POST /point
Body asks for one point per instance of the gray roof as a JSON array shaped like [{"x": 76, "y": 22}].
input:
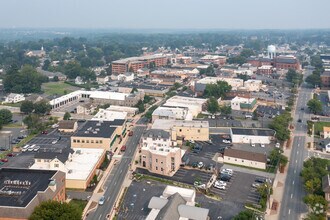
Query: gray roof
[
  {"x": 100, "y": 129},
  {"x": 326, "y": 73},
  {"x": 170, "y": 210},
  {"x": 156, "y": 133},
  {"x": 253, "y": 132},
  {"x": 192, "y": 212},
  {"x": 326, "y": 184},
  {"x": 62, "y": 154},
  {"x": 286, "y": 60},
  {"x": 157, "y": 203}
]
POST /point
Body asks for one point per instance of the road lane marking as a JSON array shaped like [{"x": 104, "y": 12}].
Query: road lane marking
[
  {"x": 295, "y": 171},
  {"x": 115, "y": 183},
  {"x": 109, "y": 199},
  {"x": 298, "y": 145},
  {"x": 298, "y": 152},
  {"x": 293, "y": 182},
  {"x": 100, "y": 216},
  {"x": 296, "y": 161},
  {"x": 291, "y": 195},
  {"x": 289, "y": 211},
  {"x": 121, "y": 171}
]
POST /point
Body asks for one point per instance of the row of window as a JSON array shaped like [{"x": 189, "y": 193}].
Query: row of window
[
  {"x": 88, "y": 141},
  {"x": 243, "y": 161}
]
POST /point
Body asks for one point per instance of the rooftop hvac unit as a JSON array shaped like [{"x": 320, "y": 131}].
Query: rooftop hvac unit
[
  {"x": 70, "y": 171},
  {"x": 94, "y": 132}
]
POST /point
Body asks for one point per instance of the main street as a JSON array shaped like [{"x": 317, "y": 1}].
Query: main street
[
  {"x": 116, "y": 178},
  {"x": 292, "y": 203}
]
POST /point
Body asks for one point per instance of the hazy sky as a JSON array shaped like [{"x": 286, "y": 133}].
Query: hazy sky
[{"x": 172, "y": 14}]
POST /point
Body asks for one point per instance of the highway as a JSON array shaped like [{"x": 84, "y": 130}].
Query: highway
[
  {"x": 292, "y": 203},
  {"x": 116, "y": 178}
]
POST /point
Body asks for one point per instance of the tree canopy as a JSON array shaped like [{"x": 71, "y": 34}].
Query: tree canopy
[
  {"x": 280, "y": 124},
  {"x": 53, "y": 210},
  {"x": 26, "y": 80},
  {"x": 217, "y": 90},
  {"x": 315, "y": 106},
  {"x": 294, "y": 77},
  {"x": 212, "y": 105}
]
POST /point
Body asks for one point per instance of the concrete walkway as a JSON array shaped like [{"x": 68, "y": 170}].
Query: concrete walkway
[{"x": 250, "y": 171}]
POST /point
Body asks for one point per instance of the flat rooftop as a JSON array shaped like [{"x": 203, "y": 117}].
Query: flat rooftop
[
  {"x": 19, "y": 186},
  {"x": 102, "y": 129},
  {"x": 80, "y": 165},
  {"x": 253, "y": 132},
  {"x": 168, "y": 124}
]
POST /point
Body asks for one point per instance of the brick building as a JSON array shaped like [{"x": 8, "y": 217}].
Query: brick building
[{"x": 325, "y": 78}]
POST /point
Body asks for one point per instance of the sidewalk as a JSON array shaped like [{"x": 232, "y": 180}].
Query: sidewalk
[{"x": 250, "y": 171}]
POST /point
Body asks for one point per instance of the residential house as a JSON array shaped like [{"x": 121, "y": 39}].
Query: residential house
[
  {"x": 14, "y": 98},
  {"x": 245, "y": 158},
  {"x": 67, "y": 126}
]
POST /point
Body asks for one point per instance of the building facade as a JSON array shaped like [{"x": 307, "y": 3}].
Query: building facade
[{"x": 245, "y": 158}]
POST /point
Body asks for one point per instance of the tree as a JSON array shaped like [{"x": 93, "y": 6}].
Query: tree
[
  {"x": 294, "y": 77},
  {"x": 46, "y": 65},
  {"x": 244, "y": 77},
  {"x": 55, "y": 79},
  {"x": 42, "y": 107},
  {"x": 67, "y": 116},
  {"x": 217, "y": 90},
  {"x": 140, "y": 106},
  {"x": 280, "y": 124},
  {"x": 244, "y": 215},
  {"x": 314, "y": 80},
  {"x": 33, "y": 122},
  {"x": 53, "y": 210},
  {"x": 212, "y": 105},
  {"x": 316, "y": 203},
  {"x": 225, "y": 110},
  {"x": 5, "y": 116},
  {"x": 315, "y": 106},
  {"x": 27, "y": 107}
]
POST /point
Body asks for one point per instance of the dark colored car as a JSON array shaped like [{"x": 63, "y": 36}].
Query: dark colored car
[
  {"x": 10, "y": 155},
  {"x": 130, "y": 133},
  {"x": 260, "y": 180},
  {"x": 44, "y": 132},
  {"x": 225, "y": 177},
  {"x": 299, "y": 120},
  {"x": 194, "y": 164},
  {"x": 4, "y": 160},
  {"x": 123, "y": 148}
]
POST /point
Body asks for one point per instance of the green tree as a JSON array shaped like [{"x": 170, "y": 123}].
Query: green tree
[
  {"x": 294, "y": 77},
  {"x": 27, "y": 107},
  {"x": 225, "y": 109},
  {"x": 314, "y": 80},
  {"x": 244, "y": 215},
  {"x": 67, "y": 116},
  {"x": 55, "y": 79},
  {"x": 140, "y": 106},
  {"x": 33, "y": 122},
  {"x": 53, "y": 210},
  {"x": 315, "y": 106},
  {"x": 46, "y": 65},
  {"x": 42, "y": 107},
  {"x": 280, "y": 124},
  {"x": 316, "y": 203},
  {"x": 5, "y": 116},
  {"x": 212, "y": 105},
  {"x": 217, "y": 90}
]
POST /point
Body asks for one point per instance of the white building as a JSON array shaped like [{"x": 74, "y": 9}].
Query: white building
[
  {"x": 252, "y": 136},
  {"x": 102, "y": 79},
  {"x": 108, "y": 115},
  {"x": 199, "y": 86},
  {"x": 79, "y": 164},
  {"x": 176, "y": 203},
  {"x": 181, "y": 113},
  {"x": 194, "y": 105},
  {"x": 243, "y": 72},
  {"x": 14, "y": 98},
  {"x": 79, "y": 81},
  {"x": 126, "y": 77},
  {"x": 131, "y": 111},
  {"x": 253, "y": 85},
  {"x": 245, "y": 158},
  {"x": 240, "y": 103}
]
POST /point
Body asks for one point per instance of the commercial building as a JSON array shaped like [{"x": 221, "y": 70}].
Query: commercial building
[
  {"x": 239, "y": 103},
  {"x": 265, "y": 70},
  {"x": 200, "y": 85},
  {"x": 149, "y": 89},
  {"x": 213, "y": 59},
  {"x": 157, "y": 153},
  {"x": 98, "y": 134},
  {"x": 126, "y": 77},
  {"x": 21, "y": 190},
  {"x": 194, "y": 105},
  {"x": 79, "y": 164},
  {"x": 181, "y": 113},
  {"x": 14, "y": 98},
  {"x": 279, "y": 62},
  {"x": 253, "y": 85},
  {"x": 108, "y": 115},
  {"x": 131, "y": 111},
  {"x": 133, "y": 64},
  {"x": 86, "y": 109},
  {"x": 67, "y": 126},
  {"x": 176, "y": 203},
  {"x": 325, "y": 78},
  {"x": 102, "y": 79},
  {"x": 252, "y": 136},
  {"x": 184, "y": 130},
  {"x": 245, "y": 158},
  {"x": 98, "y": 97}
]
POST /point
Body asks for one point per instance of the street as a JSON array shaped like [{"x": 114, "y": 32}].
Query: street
[
  {"x": 116, "y": 178},
  {"x": 292, "y": 203}
]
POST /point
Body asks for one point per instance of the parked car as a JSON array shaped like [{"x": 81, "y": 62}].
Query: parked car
[
  {"x": 10, "y": 155},
  {"x": 194, "y": 164},
  {"x": 262, "y": 145},
  {"x": 36, "y": 148},
  {"x": 102, "y": 200},
  {"x": 210, "y": 167},
  {"x": 130, "y": 133},
  {"x": 54, "y": 141},
  {"x": 260, "y": 180},
  {"x": 225, "y": 177},
  {"x": 200, "y": 165},
  {"x": 4, "y": 160},
  {"x": 221, "y": 182},
  {"x": 277, "y": 145},
  {"x": 2, "y": 163},
  {"x": 256, "y": 185},
  {"x": 123, "y": 148},
  {"x": 299, "y": 120},
  {"x": 25, "y": 148},
  {"x": 31, "y": 147},
  {"x": 253, "y": 145},
  {"x": 219, "y": 186}
]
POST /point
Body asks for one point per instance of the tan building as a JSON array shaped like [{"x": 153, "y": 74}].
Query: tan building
[
  {"x": 326, "y": 132},
  {"x": 184, "y": 130},
  {"x": 23, "y": 189},
  {"x": 86, "y": 109},
  {"x": 67, "y": 126},
  {"x": 157, "y": 153},
  {"x": 79, "y": 164},
  {"x": 99, "y": 134},
  {"x": 245, "y": 158}
]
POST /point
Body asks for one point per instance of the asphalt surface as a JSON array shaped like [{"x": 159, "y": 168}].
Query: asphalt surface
[
  {"x": 116, "y": 178},
  {"x": 292, "y": 202}
]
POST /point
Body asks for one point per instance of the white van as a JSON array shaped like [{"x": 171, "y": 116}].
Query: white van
[
  {"x": 31, "y": 147},
  {"x": 25, "y": 148},
  {"x": 248, "y": 116}
]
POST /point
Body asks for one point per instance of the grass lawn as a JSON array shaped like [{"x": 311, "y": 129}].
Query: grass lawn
[
  {"x": 57, "y": 88},
  {"x": 80, "y": 204},
  {"x": 13, "y": 104},
  {"x": 318, "y": 127}
]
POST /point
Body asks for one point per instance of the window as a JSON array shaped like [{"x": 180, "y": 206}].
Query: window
[
  {"x": 156, "y": 168},
  {"x": 82, "y": 141},
  {"x": 78, "y": 141},
  {"x": 235, "y": 159},
  {"x": 74, "y": 141},
  {"x": 87, "y": 141},
  {"x": 243, "y": 161},
  {"x": 180, "y": 130},
  {"x": 39, "y": 160},
  {"x": 161, "y": 162},
  {"x": 56, "y": 165},
  {"x": 156, "y": 160},
  {"x": 96, "y": 142},
  {"x": 161, "y": 169},
  {"x": 92, "y": 141},
  {"x": 101, "y": 141},
  {"x": 199, "y": 131}
]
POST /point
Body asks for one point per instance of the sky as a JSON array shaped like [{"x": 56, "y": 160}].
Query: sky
[{"x": 165, "y": 14}]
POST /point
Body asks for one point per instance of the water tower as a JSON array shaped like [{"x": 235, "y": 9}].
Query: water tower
[{"x": 271, "y": 51}]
